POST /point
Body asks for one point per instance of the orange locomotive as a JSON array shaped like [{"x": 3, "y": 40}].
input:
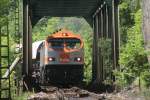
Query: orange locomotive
[{"x": 61, "y": 58}]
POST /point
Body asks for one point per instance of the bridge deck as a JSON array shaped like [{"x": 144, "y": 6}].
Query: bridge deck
[{"x": 63, "y": 7}]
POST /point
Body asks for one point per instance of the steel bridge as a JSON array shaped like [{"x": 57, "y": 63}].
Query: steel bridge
[{"x": 102, "y": 15}]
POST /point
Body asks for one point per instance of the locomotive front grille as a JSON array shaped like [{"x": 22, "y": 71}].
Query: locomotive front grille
[{"x": 64, "y": 73}]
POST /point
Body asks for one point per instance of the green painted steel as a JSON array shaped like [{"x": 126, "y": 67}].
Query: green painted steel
[
  {"x": 5, "y": 86},
  {"x": 63, "y": 8},
  {"x": 4, "y": 62},
  {"x": 105, "y": 25}
]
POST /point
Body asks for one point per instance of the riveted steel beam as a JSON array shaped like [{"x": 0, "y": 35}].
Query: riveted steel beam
[
  {"x": 101, "y": 34},
  {"x": 27, "y": 39},
  {"x": 98, "y": 68},
  {"x": 30, "y": 46},
  {"x": 104, "y": 21},
  {"x": 106, "y": 9},
  {"x": 117, "y": 35},
  {"x": 99, "y": 8},
  {"x": 94, "y": 71},
  {"x": 100, "y": 28},
  {"x": 113, "y": 32},
  {"x": 25, "y": 36}
]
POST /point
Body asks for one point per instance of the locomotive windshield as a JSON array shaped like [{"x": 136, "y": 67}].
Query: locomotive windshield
[
  {"x": 73, "y": 43},
  {"x": 69, "y": 43},
  {"x": 56, "y": 43}
]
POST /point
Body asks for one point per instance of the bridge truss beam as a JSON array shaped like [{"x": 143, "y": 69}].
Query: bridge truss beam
[
  {"x": 27, "y": 40},
  {"x": 105, "y": 27}
]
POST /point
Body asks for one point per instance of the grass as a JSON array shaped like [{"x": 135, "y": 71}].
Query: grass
[{"x": 22, "y": 96}]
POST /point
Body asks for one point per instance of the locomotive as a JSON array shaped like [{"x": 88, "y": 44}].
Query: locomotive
[{"x": 58, "y": 59}]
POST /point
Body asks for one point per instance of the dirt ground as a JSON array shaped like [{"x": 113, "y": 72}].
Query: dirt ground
[{"x": 76, "y": 93}]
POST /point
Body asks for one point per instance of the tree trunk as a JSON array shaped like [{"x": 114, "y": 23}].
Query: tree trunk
[
  {"x": 146, "y": 24},
  {"x": 140, "y": 81}
]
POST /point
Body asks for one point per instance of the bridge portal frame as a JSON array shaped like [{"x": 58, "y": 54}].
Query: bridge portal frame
[{"x": 105, "y": 25}]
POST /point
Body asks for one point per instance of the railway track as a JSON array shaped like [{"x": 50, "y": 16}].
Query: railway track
[{"x": 73, "y": 93}]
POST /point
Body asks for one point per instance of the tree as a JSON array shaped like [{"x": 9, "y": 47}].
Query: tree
[
  {"x": 133, "y": 57},
  {"x": 4, "y": 5},
  {"x": 146, "y": 23}
]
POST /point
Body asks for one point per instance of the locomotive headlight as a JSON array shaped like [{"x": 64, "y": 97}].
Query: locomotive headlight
[
  {"x": 51, "y": 59},
  {"x": 65, "y": 34},
  {"x": 78, "y": 59}
]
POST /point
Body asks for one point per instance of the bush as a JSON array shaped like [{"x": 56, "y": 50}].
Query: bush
[
  {"x": 146, "y": 78},
  {"x": 133, "y": 57}
]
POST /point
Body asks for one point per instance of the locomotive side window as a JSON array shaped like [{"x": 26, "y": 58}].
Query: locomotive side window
[{"x": 73, "y": 43}]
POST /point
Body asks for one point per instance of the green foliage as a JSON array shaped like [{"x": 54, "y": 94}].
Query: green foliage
[
  {"x": 127, "y": 10},
  {"x": 146, "y": 78},
  {"x": 23, "y": 96},
  {"x": 133, "y": 57},
  {"x": 131, "y": 52},
  {"x": 7, "y": 17},
  {"x": 105, "y": 45},
  {"x": 106, "y": 52},
  {"x": 87, "y": 57},
  {"x": 4, "y": 5}
]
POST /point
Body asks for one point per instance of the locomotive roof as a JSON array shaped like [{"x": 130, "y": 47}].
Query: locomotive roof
[{"x": 64, "y": 34}]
